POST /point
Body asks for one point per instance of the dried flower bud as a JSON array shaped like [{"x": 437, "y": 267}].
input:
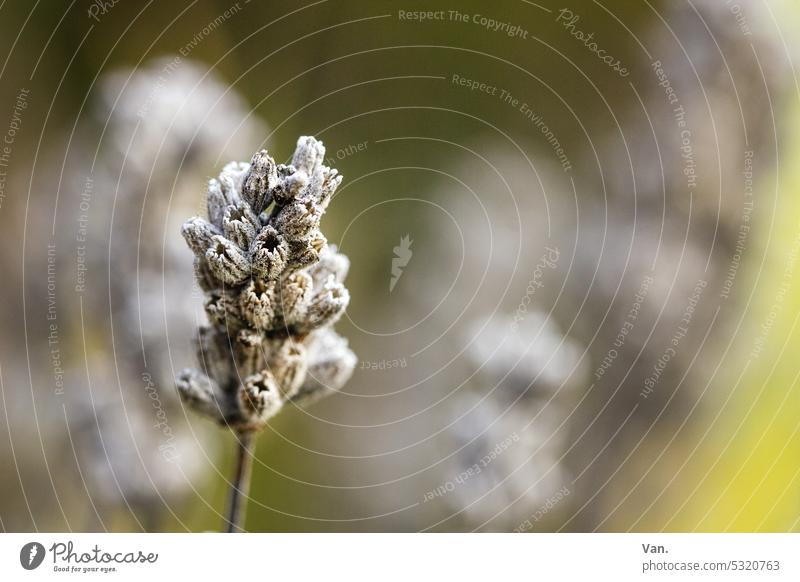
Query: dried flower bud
[
  {"x": 203, "y": 275},
  {"x": 269, "y": 253},
  {"x": 216, "y": 203},
  {"x": 199, "y": 235},
  {"x": 202, "y": 395},
  {"x": 331, "y": 263},
  {"x": 308, "y": 155},
  {"x": 249, "y": 349},
  {"x": 259, "y": 400},
  {"x": 260, "y": 181},
  {"x": 327, "y": 305},
  {"x": 330, "y": 365},
  {"x": 215, "y": 357},
  {"x": 289, "y": 184},
  {"x": 240, "y": 225},
  {"x": 293, "y": 187},
  {"x": 258, "y": 302},
  {"x": 223, "y": 312},
  {"x": 288, "y": 367},
  {"x": 305, "y": 253},
  {"x": 294, "y": 297},
  {"x": 307, "y": 166},
  {"x": 297, "y": 220},
  {"x": 228, "y": 263},
  {"x": 231, "y": 179},
  {"x": 330, "y": 182}
]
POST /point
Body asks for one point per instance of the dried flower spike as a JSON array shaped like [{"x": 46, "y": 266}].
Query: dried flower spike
[{"x": 274, "y": 288}]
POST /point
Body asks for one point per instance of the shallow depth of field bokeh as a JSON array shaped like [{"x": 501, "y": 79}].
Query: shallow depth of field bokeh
[{"x": 574, "y": 280}]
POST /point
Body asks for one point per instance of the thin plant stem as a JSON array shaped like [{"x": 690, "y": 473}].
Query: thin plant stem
[{"x": 241, "y": 482}]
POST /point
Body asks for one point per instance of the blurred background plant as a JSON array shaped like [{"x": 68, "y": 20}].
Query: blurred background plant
[{"x": 550, "y": 208}]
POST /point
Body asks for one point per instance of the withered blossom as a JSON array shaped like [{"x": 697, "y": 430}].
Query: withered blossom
[{"x": 274, "y": 288}]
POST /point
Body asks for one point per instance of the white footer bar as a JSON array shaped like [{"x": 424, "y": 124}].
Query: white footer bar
[{"x": 389, "y": 557}]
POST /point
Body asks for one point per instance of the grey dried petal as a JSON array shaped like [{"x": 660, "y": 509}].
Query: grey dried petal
[
  {"x": 259, "y": 400},
  {"x": 294, "y": 297},
  {"x": 203, "y": 396},
  {"x": 269, "y": 254},
  {"x": 228, "y": 263},
  {"x": 327, "y": 306},
  {"x": 199, "y": 234},
  {"x": 222, "y": 310},
  {"x": 258, "y": 302},
  {"x": 240, "y": 225},
  {"x": 330, "y": 366},
  {"x": 288, "y": 366},
  {"x": 249, "y": 347},
  {"x": 259, "y": 182},
  {"x": 331, "y": 263}
]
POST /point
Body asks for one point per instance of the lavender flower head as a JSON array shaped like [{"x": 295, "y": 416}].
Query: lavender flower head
[{"x": 274, "y": 288}]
